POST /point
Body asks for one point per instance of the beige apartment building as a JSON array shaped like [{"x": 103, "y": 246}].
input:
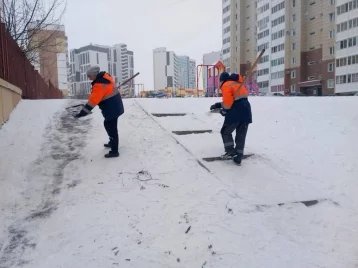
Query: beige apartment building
[
  {"x": 50, "y": 58},
  {"x": 299, "y": 38}
]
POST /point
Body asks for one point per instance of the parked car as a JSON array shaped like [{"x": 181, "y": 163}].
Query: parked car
[
  {"x": 296, "y": 94},
  {"x": 277, "y": 94},
  {"x": 356, "y": 94}
]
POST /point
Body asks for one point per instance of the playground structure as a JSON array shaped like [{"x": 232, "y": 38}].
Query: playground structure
[
  {"x": 212, "y": 89},
  {"x": 213, "y": 72}
]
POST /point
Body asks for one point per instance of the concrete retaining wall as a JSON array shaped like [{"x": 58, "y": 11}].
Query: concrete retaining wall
[{"x": 10, "y": 96}]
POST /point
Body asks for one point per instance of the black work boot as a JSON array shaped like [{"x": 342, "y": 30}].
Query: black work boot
[
  {"x": 237, "y": 159},
  {"x": 111, "y": 154},
  {"x": 108, "y": 145},
  {"x": 229, "y": 155}
]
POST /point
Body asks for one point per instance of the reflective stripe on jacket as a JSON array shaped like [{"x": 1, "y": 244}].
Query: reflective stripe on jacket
[{"x": 230, "y": 92}]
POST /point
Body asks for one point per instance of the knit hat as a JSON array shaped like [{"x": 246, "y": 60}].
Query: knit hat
[
  {"x": 224, "y": 76},
  {"x": 94, "y": 70},
  {"x": 235, "y": 77}
]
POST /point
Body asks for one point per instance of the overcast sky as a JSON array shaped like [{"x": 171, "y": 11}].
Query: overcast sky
[{"x": 188, "y": 27}]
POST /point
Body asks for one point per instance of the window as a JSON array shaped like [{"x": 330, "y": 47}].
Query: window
[
  {"x": 294, "y": 17},
  {"x": 333, "y": 2},
  {"x": 278, "y": 7},
  {"x": 293, "y": 46},
  {"x": 263, "y": 72},
  {"x": 263, "y": 23},
  {"x": 276, "y": 75},
  {"x": 278, "y": 61},
  {"x": 330, "y": 67},
  {"x": 293, "y": 60},
  {"x": 227, "y": 19},
  {"x": 278, "y": 34},
  {"x": 330, "y": 83},
  {"x": 226, "y": 9},
  {"x": 277, "y": 48},
  {"x": 293, "y": 74},
  {"x": 263, "y": 34},
  {"x": 311, "y": 78},
  {"x": 331, "y": 34},
  {"x": 293, "y": 3},
  {"x": 263, "y": 46},
  {"x": 263, "y": 84},
  {"x": 311, "y": 63},
  {"x": 293, "y": 88},
  {"x": 331, "y": 51},
  {"x": 264, "y": 59},
  {"x": 331, "y": 16},
  {"x": 293, "y": 32},
  {"x": 278, "y": 21},
  {"x": 263, "y": 8}
]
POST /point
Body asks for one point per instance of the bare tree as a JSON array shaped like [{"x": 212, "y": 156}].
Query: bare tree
[{"x": 34, "y": 24}]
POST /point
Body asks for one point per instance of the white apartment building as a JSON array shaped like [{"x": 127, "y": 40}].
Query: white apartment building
[
  {"x": 347, "y": 46},
  {"x": 238, "y": 34},
  {"x": 271, "y": 33},
  {"x": 166, "y": 69},
  {"x": 192, "y": 74},
  {"x": 208, "y": 59},
  {"x": 228, "y": 15},
  {"x": 116, "y": 60},
  {"x": 183, "y": 71}
]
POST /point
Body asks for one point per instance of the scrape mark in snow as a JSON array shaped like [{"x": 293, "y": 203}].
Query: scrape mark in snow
[{"x": 64, "y": 138}]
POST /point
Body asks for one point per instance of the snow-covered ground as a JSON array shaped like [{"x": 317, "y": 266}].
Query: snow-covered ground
[{"x": 160, "y": 205}]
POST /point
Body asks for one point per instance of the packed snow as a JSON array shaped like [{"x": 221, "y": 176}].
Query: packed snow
[{"x": 160, "y": 204}]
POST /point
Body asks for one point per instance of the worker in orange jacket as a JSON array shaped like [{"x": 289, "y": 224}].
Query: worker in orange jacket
[
  {"x": 107, "y": 97},
  {"x": 236, "y": 109}
]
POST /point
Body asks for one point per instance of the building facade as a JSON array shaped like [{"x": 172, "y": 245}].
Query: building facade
[
  {"x": 300, "y": 42},
  {"x": 165, "y": 69},
  {"x": 116, "y": 60},
  {"x": 192, "y": 74},
  {"x": 187, "y": 72},
  {"x": 239, "y": 34},
  {"x": 183, "y": 71},
  {"x": 50, "y": 56},
  {"x": 347, "y": 46}
]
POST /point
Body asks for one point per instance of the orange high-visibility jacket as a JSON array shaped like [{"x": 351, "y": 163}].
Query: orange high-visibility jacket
[
  {"x": 229, "y": 88},
  {"x": 106, "y": 96},
  {"x": 102, "y": 90}
]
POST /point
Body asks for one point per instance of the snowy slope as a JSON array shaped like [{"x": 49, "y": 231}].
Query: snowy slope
[{"x": 160, "y": 205}]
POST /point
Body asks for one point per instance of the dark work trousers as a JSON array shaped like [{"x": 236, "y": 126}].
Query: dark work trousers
[
  {"x": 112, "y": 131},
  {"x": 226, "y": 134}
]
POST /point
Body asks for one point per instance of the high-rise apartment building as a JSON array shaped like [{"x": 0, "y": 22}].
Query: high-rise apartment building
[
  {"x": 299, "y": 38},
  {"x": 116, "y": 60},
  {"x": 165, "y": 69},
  {"x": 174, "y": 71},
  {"x": 239, "y": 34},
  {"x": 183, "y": 71},
  {"x": 346, "y": 46},
  {"x": 192, "y": 74},
  {"x": 50, "y": 55},
  {"x": 187, "y": 72}
]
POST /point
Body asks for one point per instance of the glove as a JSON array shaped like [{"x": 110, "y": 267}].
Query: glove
[
  {"x": 215, "y": 106},
  {"x": 224, "y": 112},
  {"x": 81, "y": 114}
]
